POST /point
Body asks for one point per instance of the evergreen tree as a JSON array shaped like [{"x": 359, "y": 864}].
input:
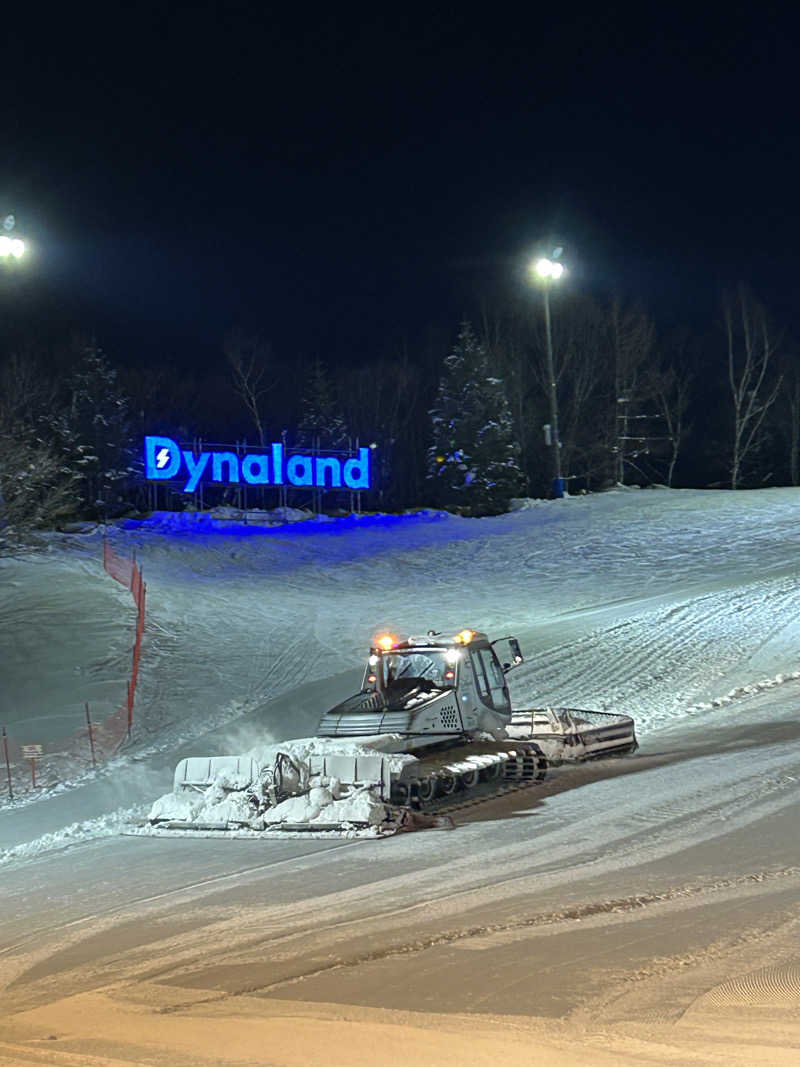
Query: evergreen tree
[
  {"x": 473, "y": 461},
  {"x": 321, "y": 422},
  {"x": 93, "y": 433}
]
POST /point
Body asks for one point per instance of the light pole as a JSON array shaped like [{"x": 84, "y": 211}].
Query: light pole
[{"x": 545, "y": 272}]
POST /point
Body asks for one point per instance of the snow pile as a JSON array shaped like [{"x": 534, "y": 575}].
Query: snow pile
[
  {"x": 213, "y": 805},
  {"x": 746, "y": 690},
  {"x": 109, "y": 825},
  {"x": 322, "y": 804},
  {"x": 226, "y": 800}
]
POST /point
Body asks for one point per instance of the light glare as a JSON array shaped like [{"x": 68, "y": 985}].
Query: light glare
[
  {"x": 11, "y": 246},
  {"x": 547, "y": 268}
]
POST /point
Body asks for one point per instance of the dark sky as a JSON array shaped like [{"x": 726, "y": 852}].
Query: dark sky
[{"x": 337, "y": 180}]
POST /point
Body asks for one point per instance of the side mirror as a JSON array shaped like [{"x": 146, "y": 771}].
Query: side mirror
[{"x": 508, "y": 652}]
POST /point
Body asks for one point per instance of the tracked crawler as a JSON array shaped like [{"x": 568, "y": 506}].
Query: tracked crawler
[{"x": 430, "y": 730}]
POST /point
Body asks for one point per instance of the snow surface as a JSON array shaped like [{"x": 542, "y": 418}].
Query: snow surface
[{"x": 661, "y": 605}]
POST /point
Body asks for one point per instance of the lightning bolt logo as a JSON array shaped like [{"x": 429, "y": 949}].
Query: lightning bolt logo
[{"x": 162, "y": 458}]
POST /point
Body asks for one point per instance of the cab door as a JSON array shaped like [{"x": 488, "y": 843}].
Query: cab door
[{"x": 490, "y": 680}]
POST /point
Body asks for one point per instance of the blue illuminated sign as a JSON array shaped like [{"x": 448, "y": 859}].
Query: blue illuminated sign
[{"x": 165, "y": 460}]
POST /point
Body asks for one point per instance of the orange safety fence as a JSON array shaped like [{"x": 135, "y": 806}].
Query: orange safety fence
[
  {"x": 128, "y": 573},
  {"x": 101, "y": 739}
]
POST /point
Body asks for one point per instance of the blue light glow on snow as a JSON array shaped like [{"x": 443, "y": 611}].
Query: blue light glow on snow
[{"x": 204, "y": 524}]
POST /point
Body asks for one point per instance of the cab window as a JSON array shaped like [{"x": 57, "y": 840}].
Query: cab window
[{"x": 490, "y": 679}]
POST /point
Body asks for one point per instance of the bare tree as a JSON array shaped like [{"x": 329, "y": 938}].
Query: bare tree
[
  {"x": 249, "y": 357},
  {"x": 632, "y": 337},
  {"x": 382, "y": 403},
  {"x": 793, "y": 393},
  {"x": 25, "y": 390},
  {"x": 750, "y": 351},
  {"x": 582, "y": 378},
  {"x": 671, "y": 390}
]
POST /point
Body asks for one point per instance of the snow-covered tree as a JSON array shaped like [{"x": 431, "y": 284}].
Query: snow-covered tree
[
  {"x": 93, "y": 434},
  {"x": 321, "y": 423},
  {"x": 35, "y": 491},
  {"x": 473, "y": 462},
  {"x": 35, "y": 488}
]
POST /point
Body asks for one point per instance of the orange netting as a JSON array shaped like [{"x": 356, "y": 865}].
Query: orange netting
[
  {"x": 128, "y": 573},
  {"x": 99, "y": 740}
]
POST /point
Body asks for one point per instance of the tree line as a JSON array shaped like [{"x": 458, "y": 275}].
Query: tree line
[{"x": 459, "y": 423}]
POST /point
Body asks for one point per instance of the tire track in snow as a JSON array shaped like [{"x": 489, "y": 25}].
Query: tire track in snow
[{"x": 656, "y": 663}]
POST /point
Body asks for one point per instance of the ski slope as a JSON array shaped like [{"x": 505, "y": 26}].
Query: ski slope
[{"x": 654, "y": 603}]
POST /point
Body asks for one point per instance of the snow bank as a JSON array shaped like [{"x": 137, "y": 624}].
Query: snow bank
[
  {"x": 108, "y": 825},
  {"x": 745, "y": 690}
]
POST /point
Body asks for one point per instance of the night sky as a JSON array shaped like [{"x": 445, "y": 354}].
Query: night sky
[{"x": 340, "y": 181}]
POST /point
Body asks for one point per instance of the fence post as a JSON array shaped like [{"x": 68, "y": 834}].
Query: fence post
[
  {"x": 91, "y": 735},
  {"x": 8, "y": 765}
]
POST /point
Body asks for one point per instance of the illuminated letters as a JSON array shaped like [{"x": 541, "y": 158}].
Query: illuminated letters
[
  {"x": 255, "y": 470},
  {"x": 356, "y": 471},
  {"x": 333, "y": 466},
  {"x": 162, "y": 457},
  {"x": 299, "y": 470},
  {"x": 166, "y": 461},
  {"x": 195, "y": 469},
  {"x": 231, "y": 460}
]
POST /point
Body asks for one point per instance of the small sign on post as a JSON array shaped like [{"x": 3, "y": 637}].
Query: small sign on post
[
  {"x": 32, "y": 753},
  {"x": 8, "y": 764}
]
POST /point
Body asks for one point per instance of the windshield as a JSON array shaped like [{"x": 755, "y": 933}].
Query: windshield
[{"x": 437, "y": 666}]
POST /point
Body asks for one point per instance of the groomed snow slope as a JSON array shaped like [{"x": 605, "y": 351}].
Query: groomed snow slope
[{"x": 652, "y": 603}]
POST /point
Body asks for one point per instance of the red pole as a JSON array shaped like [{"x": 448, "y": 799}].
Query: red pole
[
  {"x": 130, "y": 709},
  {"x": 8, "y": 765},
  {"x": 91, "y": 734}
]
